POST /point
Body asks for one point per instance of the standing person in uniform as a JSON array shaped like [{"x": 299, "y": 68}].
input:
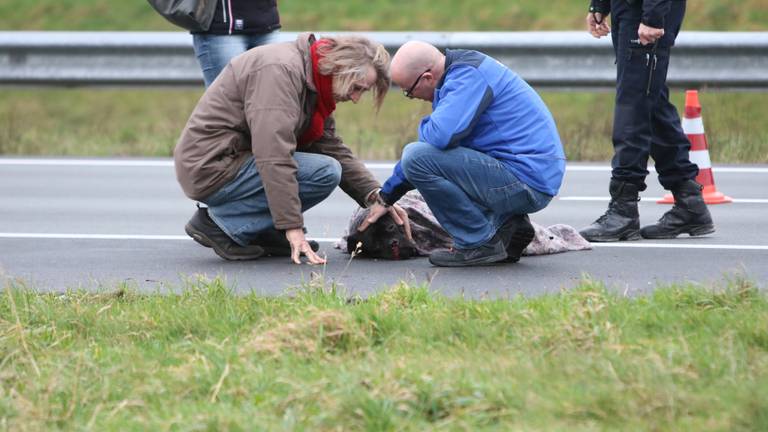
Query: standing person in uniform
[
  {"x": 646, "y": 123},
  {"x": 260, "y": 147},
  {"x": 487, "y": 155},
  {"x": 237, "y": 26}
]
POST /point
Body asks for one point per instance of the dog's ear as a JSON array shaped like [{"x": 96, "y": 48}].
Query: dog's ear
[{"x": 367, "y": 244}]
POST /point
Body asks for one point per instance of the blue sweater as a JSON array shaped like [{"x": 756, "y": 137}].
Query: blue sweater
[{"x": 482, "y": 105}]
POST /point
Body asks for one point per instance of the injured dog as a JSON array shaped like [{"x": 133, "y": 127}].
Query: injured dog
[{"x": 385, "y": 239}]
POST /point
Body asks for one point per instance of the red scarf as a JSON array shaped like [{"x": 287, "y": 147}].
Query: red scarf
[{"x": 325, "y": 101}]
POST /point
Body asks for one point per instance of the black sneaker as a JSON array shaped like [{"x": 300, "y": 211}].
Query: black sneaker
[
  {"x": 274, "y": 243},
  {"x": 517, "y": 233},
  {"x": 490, "y": 253},
  {"x": 205, "y": 231}
]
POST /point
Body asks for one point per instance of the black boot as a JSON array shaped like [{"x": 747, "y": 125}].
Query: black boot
[
  {"x": 205, "y": 231},
  {"x": 689, "y": 215},
  {"x": 275, "y": 243},
  {"x": 517, "y": 233},
  {"x": 621, "y": 221}
]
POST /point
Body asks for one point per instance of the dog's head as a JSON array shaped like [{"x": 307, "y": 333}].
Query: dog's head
[{"x": 382, "y": 239}]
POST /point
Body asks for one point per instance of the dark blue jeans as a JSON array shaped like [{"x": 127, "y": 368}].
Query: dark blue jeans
[
  {"x": 645, "y": 121},
  {"x": 470, "y": 193},
  {"x": 215, "y": 51}
]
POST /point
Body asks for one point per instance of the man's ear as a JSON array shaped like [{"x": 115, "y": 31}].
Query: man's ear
[{"x": 429, "y": 77}]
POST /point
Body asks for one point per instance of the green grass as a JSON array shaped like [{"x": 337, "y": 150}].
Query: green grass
[
  {"x": 359, "y": 15},
  {"x": 682, "y": 358},
  {"x": 141, "y": 122}
]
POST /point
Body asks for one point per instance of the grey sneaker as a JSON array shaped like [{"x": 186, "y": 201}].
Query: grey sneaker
[
  {"x": 205, "y": 231},
  {"x": 490, "y": 253}
]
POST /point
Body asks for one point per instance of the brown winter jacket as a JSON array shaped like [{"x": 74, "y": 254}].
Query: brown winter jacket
[{"x": 260, "y": 103}]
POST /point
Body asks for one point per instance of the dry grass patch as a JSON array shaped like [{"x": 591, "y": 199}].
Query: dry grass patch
[{"x": 317, "y": 332}]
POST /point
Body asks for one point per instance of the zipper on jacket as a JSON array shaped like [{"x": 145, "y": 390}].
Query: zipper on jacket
[
  {"x": 224, "y": 10},
  {"x": 231, "y": 18}
]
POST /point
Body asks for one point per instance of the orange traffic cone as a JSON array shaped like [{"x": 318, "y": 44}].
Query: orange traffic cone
[{"x": 693, "y": 127}]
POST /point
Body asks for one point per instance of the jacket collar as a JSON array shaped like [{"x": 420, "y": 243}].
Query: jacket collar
[
  {"x": 450, "y": 57},
  {"x": 303, "y": 42}
]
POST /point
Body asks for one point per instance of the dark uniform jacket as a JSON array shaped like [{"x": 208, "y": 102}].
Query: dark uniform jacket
[
  {"x": 654, "y": 11},
  {"x": 244, "y": 17}
]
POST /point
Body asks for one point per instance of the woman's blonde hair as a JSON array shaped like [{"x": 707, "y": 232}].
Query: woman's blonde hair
[{"x": 347, "y": 58}]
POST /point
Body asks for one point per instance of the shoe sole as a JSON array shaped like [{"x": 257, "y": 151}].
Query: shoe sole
[
  {"x": 201, "y": 238},
  {"x": 695, "y": 231},
  {"x": 521, "y": 238},
  {"x": 625, "y": 236},
  {"x": 485, "y": 261},
  {"x": 198, "y": 238},
  {"x": 489, "y": 261}
]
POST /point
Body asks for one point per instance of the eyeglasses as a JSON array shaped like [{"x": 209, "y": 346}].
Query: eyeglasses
[{"x": 409, "y": 93}]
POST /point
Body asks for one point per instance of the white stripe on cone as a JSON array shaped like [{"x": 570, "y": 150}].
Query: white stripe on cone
[
  {"x": 693, "y": 126},
  {"x": 700, "y": 158}
]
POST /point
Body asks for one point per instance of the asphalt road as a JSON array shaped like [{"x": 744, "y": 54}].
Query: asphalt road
[{"x": 95, "y": 223}]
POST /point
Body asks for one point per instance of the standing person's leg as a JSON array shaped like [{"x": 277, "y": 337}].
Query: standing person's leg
[
  {"x": 240, "y": 209},
  {"x": 213, "y": 52},
  {"x": 471, "y": 194},
  {"x": 632, "y": 133},
  {"x": 259, "y": 39},
  {"x": 669, "y": 147},
  {"x": 670, "y": 150}
]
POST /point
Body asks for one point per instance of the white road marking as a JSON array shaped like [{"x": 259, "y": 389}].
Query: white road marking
[
  {"x": 716, "y": 169},
  {"x": 370, "y": 165},
  {"x": 654, "y": 199},
  {"x": 55, "y": 236},
  {"x": 87, "y": 162},
  {"x": 679, "y": 246},
  {"x": 93, "y": 236}
]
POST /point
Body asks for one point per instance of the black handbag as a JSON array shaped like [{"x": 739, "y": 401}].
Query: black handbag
[{"x": 193, "y": 15}]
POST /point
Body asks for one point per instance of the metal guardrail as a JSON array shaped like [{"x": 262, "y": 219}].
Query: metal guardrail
[{"x": 545, "y": 59}]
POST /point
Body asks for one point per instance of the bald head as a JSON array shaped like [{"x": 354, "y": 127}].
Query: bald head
[{"x": 412, "y": 59}]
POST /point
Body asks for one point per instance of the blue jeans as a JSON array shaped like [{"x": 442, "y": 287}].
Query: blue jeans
[
  {"x": 470, "y": 193},
  {"x": 215, "y": 51},
  {"x": 240, "y": 207}
]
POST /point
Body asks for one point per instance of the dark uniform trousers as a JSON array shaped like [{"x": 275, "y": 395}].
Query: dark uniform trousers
[{"x": 645, "y": 122}]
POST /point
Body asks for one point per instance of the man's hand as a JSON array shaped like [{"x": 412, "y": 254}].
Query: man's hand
[
  {"x": 649, "y": 35},
  {"x": 300, "y": 245},
  {"x": 399, "y": 215},
  {"x": 597, "y": 25}
]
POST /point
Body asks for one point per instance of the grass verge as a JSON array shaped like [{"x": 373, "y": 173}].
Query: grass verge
[
  {"x": 682, "y": 358},
  {"x": 365, "y": 15},
  {"x": 140, "y": 122}
]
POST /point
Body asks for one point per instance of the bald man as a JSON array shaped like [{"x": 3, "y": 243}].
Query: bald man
[{"x": 487, "y": 156}]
